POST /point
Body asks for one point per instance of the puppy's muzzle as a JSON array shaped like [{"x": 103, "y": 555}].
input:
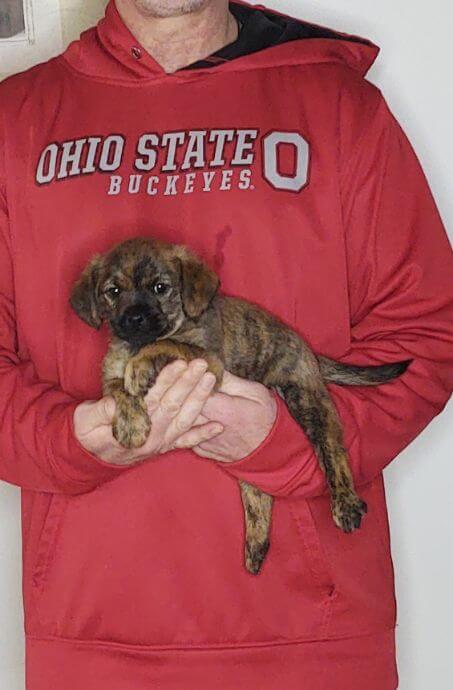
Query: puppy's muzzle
[{"x": 139, "y": 324}]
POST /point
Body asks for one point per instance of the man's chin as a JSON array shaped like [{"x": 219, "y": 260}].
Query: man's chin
[{"x": 164, "y": 9}]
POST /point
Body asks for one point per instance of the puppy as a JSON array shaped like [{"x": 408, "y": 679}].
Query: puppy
[{"x": 162, "y": 303}]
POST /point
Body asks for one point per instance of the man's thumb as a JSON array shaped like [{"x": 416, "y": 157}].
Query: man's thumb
[{"x": 104, "y": 410}]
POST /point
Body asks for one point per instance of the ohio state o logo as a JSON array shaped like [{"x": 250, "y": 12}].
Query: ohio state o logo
[{"x": 296, "y": 181}]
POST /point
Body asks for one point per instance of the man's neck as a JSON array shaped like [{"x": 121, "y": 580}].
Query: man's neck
[{"x": 175, "y": 42}]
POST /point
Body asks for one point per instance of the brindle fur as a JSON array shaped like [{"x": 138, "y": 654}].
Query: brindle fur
[{"x": 191, "y": 320}]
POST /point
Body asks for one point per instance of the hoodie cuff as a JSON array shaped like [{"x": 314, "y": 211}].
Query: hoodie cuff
[
  {"x": 284, "y": 463},
  {"x": 77, "y": 470}
]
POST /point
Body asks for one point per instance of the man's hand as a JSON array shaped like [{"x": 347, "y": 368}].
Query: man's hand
[
  {"x": 174, "y": 403},
  {"x": 245, "y": 409}
]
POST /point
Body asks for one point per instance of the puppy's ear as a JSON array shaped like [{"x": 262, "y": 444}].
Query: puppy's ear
[
  {"x": 199, "y": 285},
  {"x": 85, "y": 294}
]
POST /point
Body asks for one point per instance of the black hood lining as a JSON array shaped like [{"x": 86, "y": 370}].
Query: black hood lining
[{"x": 261, "y": 28}]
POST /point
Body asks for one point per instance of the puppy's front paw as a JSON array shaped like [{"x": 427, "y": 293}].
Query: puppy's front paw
[
  {"x": 131, "y": 425},
  {"x": 139, "y": 376},
  {"x": 348, "y": 510}
]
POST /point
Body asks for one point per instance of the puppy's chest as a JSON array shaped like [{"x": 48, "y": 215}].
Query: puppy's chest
[{"x": 116, "y": 359}]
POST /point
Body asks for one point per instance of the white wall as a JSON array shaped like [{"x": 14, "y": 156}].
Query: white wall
[
  {"x": 76, "y": 15},
  {"x": 414, "y": 72},
  {"x": 41, "y": 39}
]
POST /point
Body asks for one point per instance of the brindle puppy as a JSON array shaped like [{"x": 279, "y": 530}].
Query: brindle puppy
[{"x": 161, "y": 303}]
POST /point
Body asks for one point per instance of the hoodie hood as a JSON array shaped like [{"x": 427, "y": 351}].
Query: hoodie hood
[{"x": 110, "y": 52}]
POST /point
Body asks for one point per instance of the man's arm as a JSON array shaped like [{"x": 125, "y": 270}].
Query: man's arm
[
  {"x": 53, "y": 443},
  {"x": 38, "y": 449},
  {"x": 400, "y": 269}
]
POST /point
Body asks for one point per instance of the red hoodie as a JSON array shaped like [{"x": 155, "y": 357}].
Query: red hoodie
[{"x": 286, "y": 171}]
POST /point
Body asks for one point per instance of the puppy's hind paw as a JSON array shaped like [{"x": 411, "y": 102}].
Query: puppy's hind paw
[
  {"x": 348, "y": 510},
  {"x": 255, "y": 553}
]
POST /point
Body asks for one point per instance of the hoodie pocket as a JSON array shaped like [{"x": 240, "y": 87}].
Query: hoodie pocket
[
  {"x": 48, "y": 541},
  {"x": 310, "y": 542},
  {"x": 156, "y": 557}
]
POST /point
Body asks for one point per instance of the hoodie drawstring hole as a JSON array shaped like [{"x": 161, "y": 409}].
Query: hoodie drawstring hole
[{"x": 136, "y": 53}]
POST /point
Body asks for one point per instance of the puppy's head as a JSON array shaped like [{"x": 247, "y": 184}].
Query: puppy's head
[{"x": 144, "y": 289}]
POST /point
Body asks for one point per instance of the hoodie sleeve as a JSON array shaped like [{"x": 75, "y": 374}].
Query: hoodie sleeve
[
  {"x": 38, "y": 447},
  {"x": 400, "y": 283}
]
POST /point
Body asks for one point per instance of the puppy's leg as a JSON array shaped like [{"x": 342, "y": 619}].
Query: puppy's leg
[
  {"x": 257, "y": 513},
  {"x": 294, "y": 372},
  {"x": 142, "y": 369},
  {"x": 131, "y": 424},
  {"x": 316, "y": 414}
]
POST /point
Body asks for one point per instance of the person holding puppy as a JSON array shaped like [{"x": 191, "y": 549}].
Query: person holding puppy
[{"x": 254, "y": 139}]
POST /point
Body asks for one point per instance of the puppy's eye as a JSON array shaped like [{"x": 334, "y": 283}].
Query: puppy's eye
[
  {"x": 114, "y": 291},
  {"x": 160, "y": 288}
]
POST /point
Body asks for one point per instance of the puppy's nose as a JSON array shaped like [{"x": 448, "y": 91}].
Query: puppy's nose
[
  {"x": 135, "y": 317},
  {"x": 134, "y": 320}
]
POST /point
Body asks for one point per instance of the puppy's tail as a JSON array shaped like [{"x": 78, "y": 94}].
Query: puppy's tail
[{"x": 353, "y": 375}]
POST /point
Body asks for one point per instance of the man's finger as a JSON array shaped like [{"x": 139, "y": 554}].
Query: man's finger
[
  {"x": 203, "y": 453},
  {"x": 103, "y": 411},
  {"x": 199, "y": 434},
  {"x": 165, "y": 380},
  {"x": 173, "y": 399},
  {"x": 193, "y": 405},
  {"x": 201, "y": 419}
]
